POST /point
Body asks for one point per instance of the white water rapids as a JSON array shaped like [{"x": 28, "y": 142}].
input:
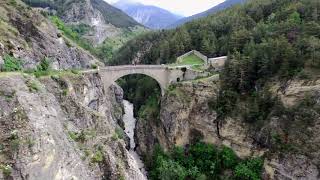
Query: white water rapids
[{"x": 130, "y": 124}]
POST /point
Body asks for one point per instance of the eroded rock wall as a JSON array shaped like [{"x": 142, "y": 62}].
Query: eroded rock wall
[
  {"x": 185, "y": 117},
  {"x": 61, "y": 127},
  {"x": 28, "y": 35}
]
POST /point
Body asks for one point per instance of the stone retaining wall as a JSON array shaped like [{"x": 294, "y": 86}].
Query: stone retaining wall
[{"x": 217, "y": 63}]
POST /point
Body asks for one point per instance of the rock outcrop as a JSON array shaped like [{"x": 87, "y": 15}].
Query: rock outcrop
[
  {"x": 100, "y": 21},
  {"x": 28, "y": 35},
  {"x": 61, "y": 127},
  {"x": 186, "y": 117},
  {"x": 83, "y": 12}
]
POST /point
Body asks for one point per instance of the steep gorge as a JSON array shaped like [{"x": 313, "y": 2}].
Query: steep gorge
[
  {"x": 186, "y": 117},
  {"x": 67, "y": 126},
  {"x": 62, "y": 127}
]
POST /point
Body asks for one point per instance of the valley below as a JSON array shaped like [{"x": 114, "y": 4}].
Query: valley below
[{"x": 88, "y": 93}]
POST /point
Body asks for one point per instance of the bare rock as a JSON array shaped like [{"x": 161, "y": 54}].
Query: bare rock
[
  {"x": 84, "y": 12},
  {"x": 185, "y": 116},
  {"x": 45, "y": 118},
  {"x": 292, "y": 167},
  {"x": 1, "y": 49},
  {"x": 31, "y": 37},
  {"x": 1, "y": 63},
  {"x": 118, "y": 92},
  {"x": 296, "y": 90}
]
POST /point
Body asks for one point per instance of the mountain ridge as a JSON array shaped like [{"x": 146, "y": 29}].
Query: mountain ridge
[
  {"x": 217, "y": 8},
  {"x": 151, "y": 16},
  {"x": 101, "y": 27},
  {"x": 67, "y": 10}
]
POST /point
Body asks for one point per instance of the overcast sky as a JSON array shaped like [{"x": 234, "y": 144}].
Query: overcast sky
[{"x": 182, "y": 7}]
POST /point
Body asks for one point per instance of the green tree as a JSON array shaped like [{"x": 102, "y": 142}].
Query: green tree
[
  {"x": 164, "y": 51},
  {"x": 169, "y": 170},
  {"x": 295, "y": 18},
  {"x": 314, "y": 48},
  {"x": 205, "y": 46},
  {"x": 44, "y": 65},
  {"x": 239, "y": 39},
  {"x": 229, "y": 158},
  {"x": 249, "y": 170}
]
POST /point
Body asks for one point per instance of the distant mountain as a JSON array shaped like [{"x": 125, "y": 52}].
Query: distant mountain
[
  {"x": 85, "y": 10},
  {"x": 150, "y": 16},
  {"x": 99, "y": 20},
  {"x": 219, "y": 7},
  {"x": 95, "y": 25}
]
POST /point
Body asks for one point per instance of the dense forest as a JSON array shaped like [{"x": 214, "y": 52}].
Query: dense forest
[
  {"x": 203, "y": 161},
  {"x": 289, "y": 27},
  {"x": 144, "y": 92},
  {"x": 265, "y": 41}
]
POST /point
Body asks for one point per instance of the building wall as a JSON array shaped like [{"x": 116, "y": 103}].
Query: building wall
[{"x": 217, "y": 63}]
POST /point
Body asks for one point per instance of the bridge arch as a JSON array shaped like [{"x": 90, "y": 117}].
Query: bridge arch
[
  {"x": 160, "y": 74},
  {"x": 161, "y": 85}
]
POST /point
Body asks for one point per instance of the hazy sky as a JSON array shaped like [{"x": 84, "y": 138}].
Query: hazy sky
[{"x": 182, "y": 7}]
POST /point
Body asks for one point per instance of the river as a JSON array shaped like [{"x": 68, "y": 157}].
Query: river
[{"x": 130, "y": 124}]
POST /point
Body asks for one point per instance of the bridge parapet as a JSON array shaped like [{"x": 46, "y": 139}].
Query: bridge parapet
[{"x": 132, "y": 67}]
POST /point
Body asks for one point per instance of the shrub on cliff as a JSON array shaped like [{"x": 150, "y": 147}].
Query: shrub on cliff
[
  {"x": 203, "y": 161},
  {"x": 249, "y": 169},
  {"x": 11, "y": 63}
]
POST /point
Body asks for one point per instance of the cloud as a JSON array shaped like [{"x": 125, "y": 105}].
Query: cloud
[{"x": 183, "y": 7}]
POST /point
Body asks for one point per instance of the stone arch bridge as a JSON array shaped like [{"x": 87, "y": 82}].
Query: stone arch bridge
[
  {"x": 164, "y": 75},
  {"x": 161, "y": 73}
]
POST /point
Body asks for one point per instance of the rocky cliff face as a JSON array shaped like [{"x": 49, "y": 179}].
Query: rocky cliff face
[
  {"x": 84, "y": 12},
  {"x": 103, "y": 21},
  {"x": 185, "y": 117},
  {"x": 26, "y": 34},
  {"x": 61, "y": 127}
]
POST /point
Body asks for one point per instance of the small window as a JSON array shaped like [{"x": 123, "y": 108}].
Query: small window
[
  {"x": 178, "y": 79},
  {"x": 184, "y": 69}
]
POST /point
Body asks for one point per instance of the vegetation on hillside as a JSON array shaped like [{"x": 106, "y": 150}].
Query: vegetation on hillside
[
  {"x": 127, "y": 28},
  {"x": 291, "y": 27},
  {"x": 11, "y": 64},
  {"x": 73, "y": 33},
  {"x": 106, "y": 50},
  {"x": 109, "y": 47},
  {"x": 144, "y": 92},
  {"x": 202, "y": 161},
  {"x": 266, "y": 41}
]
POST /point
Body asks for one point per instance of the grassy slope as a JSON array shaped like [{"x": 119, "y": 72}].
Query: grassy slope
[
  {"x": 191, "y": 60},
  {"x": 106, "y": 50}
]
